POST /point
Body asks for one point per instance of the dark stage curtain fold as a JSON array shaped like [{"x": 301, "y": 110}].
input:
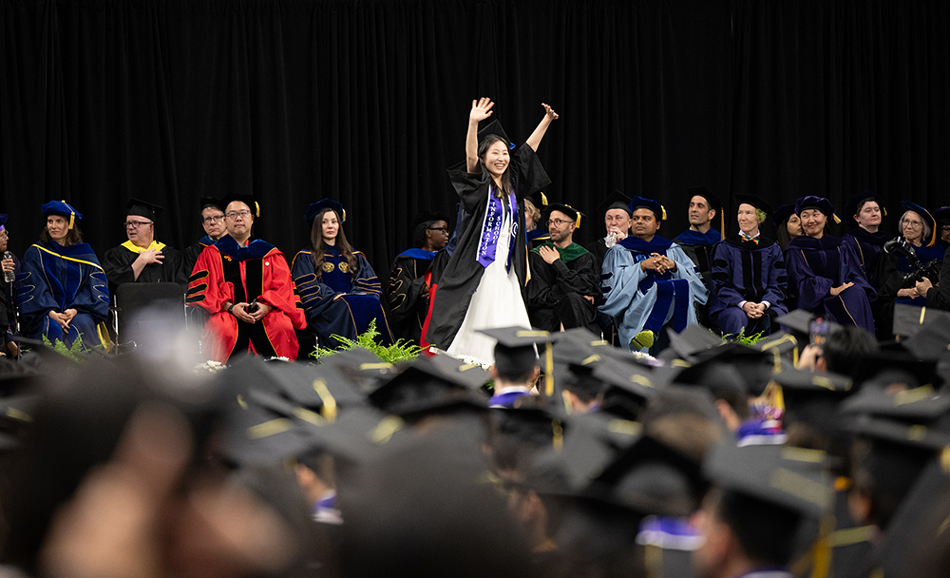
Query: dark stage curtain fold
[{"x": 367, "y": 102}]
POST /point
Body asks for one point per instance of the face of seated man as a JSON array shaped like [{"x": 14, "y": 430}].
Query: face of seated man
[
  {"x": 700, "y": 214},
  {"x": 617, "y": 222},
  {"x": 239, "y": 219},
  {"x": 561, "y": 228},
  {"x": 644, "y": 225},
  {"x": 212, "y": 220},
  {"x": 139, "y": 230}
]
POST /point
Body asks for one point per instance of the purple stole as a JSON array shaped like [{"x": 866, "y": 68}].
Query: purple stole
[{"x": 491, "y": 229}]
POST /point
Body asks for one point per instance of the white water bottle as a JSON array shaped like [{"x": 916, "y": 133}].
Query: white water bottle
[{"x": 8, "y": 276}]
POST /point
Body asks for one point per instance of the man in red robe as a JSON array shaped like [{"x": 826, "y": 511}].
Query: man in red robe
[{"x": 247, "y": 288}]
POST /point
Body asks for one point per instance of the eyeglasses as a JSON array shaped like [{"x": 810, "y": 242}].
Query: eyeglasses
[
  {"x": 442, "y": 229},
  {"x": 235, "y": 214},
  {"x": 913, "y": 224},
  {"x": 4, "y": 235},
  {"x": 215, "y": 219},
  {"x": 558, "y": 222},
  {"x": 136, "y": 224}
]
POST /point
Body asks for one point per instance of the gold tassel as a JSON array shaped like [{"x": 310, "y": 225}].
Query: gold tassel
[
  {"x": 544, "y": 199},
  {"x": 329, "y": 404},
  {"x": 548, "y": 370},
  {"x": 257, "y": 210},
  {"x": 344, "y": 215},
  {"x": 835, "y": 217},
  {"x": 662, "y": 208}
]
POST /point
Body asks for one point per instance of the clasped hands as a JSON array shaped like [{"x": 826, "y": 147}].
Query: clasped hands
[
  {"x": 63, "y": 318},
  {"x": 754, "y": 310},
  {"x": 240, "y": 312},
  {"x": 659, "y": 263}
]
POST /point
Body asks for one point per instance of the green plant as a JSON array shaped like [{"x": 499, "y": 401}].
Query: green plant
[
  {"x": 73, "y": 352},
  {"x": 402, "y": 350},
  {"x": 745, "y": 339}
]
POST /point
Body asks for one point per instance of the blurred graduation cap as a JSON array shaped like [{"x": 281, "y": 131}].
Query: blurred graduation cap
[
  {"x": 651, "y": 478},
  {"x": 515, "y": 352},
  {"x": 16, "y": 415},
  {"x": 143, "y": 209},
  {"x": 927, "y": 218},
  {"x": 857, "y": 200},
  {"x": 320, "y": 205},
  {"x": 361, "y": 367},
  {"x": 780, "y": 341},
  {"x": 248, "y": 200},
  {"x": 635, "y": 384},
  {"x": 205, "y": 202},
  {"x": 691, "y": 341},
  {"x": 884, "y": 369},
  {"x": 813, "y": 398},
  {"x": 920, "y": 405},
  {"x": 649, "y": 204},
  {"x": 909, "y": 319},
  {"x": 798, "y": 323},
  {"x": 615, "y": 200},
  {"x": 730, "y": 366},
  {"x": 473, "y": 375},
  {"x": 942, "y": 215},
  {"x": 932, "y": 341},
  {"x": 568, "y": 210},
  {"x": 918, "y": 530},
  {"x": 495, "y": 128},
  {"x": 790, "y": 478},
  {"x": 299, "y": 384},
  {"x": 62, "y": 209},
  {"x": 536, "y": 426},
  {"x": 420, "y": 386}
]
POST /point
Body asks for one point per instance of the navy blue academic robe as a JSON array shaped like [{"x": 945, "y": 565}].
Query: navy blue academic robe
[
  {"x": 746, "y": 271},
  {"x": 699, "y": 248},
  {"x": 56, "y": 278},
  {"x": 349, "y": 315},
  {"x": 868, "y": 247},
  {"x": 817, "y": 265}
]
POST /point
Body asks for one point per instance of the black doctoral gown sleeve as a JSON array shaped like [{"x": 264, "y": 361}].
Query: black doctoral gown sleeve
[
  {"x": 117, "y": 263},
  {"x": 408, "y": 296}
]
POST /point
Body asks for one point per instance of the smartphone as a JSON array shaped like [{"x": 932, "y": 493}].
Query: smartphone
[{"x": 818, "y": 332}]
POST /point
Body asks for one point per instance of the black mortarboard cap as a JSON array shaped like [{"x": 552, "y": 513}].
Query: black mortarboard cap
[
  {"x": 692, "y": 340},
  {"x": 568, "y": 210},
  {"x": 932, "y": 341},
  {"x": 361, "y": 367},
  {"x": 920, "y": 405},
  {"x": 615, "y": 200},
  {"x": 909, "y": 435},
  {"x": 515, "y": 350},
  {"x": 942, "y": 215},
  {"x": 535, "y": 426},
  {"x": 782, "y": 213},
  {"x": 473, "y": 375},
  {"x": 494, "y": 128},
  {"x": 799, "y": 383},
  {"x": 852, "y": 208},
  {"x": 632, "y": 382},
  {"x": 650, "y": 477},
  {"x": 144, "y": 209},
  {"x": 927, "y": 218},
  {"x": 800, "y": 320},
  {"x": 258, "y": 436},
  {"x": 420, "y": 219},
  {"x": 788, "y": 477},
  {"x": 419, "y": 384},
  {"x": 314, "y": 208},
  {"x": 711, "y": 199},
  {"x": 886, "y": 368},
  {"x": 729, "y": 366},
  {"x": 539, "y": 200},
  {"x": 205, "y": 202},
  {"x": 754, "y": 200},
  {"x": 781, "y": 341},
  {"x": 909, "y": 319},
  {"x": 248, "y": 200}
]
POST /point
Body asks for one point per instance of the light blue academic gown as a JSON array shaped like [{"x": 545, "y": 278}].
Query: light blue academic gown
[{"x": 639, "y": 300}]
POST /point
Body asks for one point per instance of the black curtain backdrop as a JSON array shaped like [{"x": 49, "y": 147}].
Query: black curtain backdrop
[{"x": 367, "y": 102}]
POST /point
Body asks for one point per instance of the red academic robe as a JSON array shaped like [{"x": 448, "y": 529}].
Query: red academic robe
[{"x": 227, "y": 272}]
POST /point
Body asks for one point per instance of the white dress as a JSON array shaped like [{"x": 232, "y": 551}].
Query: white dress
[{"x": 496, "y": 303}]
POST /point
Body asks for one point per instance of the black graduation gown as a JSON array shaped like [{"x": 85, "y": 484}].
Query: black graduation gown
[
  {"x": 117, "y": 263},
  {"x": 462, "y": 274},
  {"x": 868, "y": 247},
  {"x": 191, "y": 253},
  {"x": 408, "y": 293},
  {"x": 556, "y": 292}
]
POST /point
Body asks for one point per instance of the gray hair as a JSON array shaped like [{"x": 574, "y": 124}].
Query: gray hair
[{"x": 927, "y": 230}]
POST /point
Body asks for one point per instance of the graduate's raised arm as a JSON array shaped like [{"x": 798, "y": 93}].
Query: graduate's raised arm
[
  {"x": 534, "y": 141},
  {"x": 481, "y": 110}
]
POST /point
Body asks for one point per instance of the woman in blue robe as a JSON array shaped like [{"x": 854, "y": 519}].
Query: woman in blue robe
[
  {"x": 748, "y": 275},
  {"x": 867, "y": 239},
  {"x": 61, "y": 290},
  {"x": 825, "y": 272},
  {"x": 918, "y": 228},
  {"x": 337, "y": 286}
]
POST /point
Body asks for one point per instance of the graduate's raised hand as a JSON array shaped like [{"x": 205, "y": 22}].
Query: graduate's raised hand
[
  {"x": 549, "y": 112},
  {"x": 481, "y": 109}
]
